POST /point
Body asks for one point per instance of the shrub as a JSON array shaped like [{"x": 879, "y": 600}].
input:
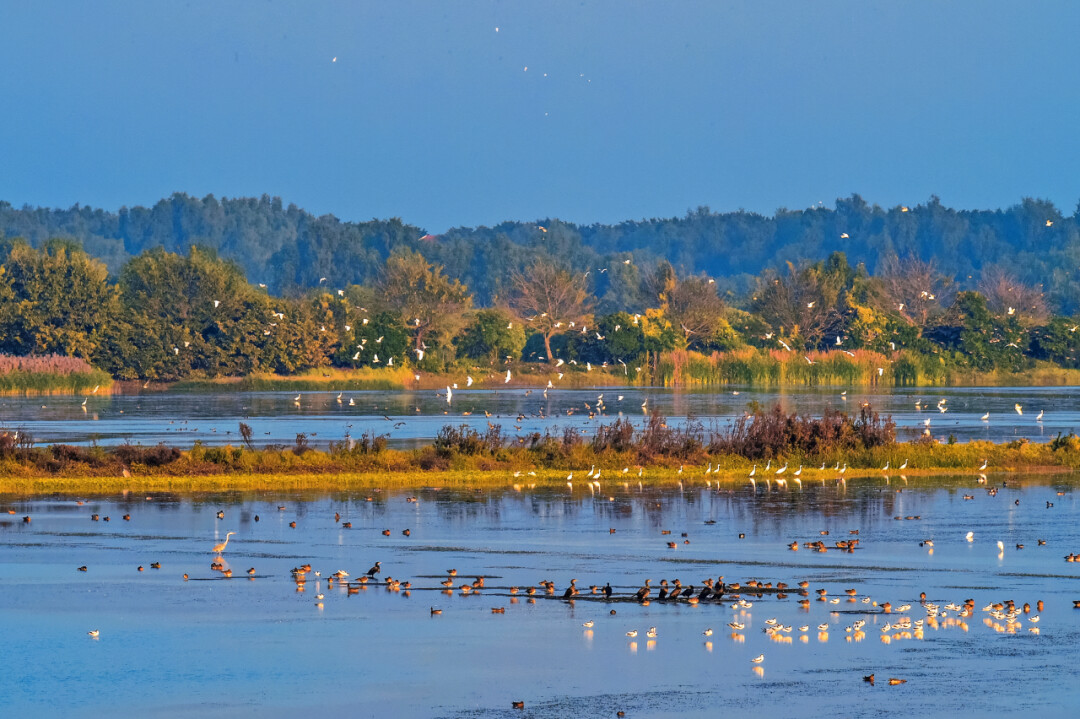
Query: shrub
[
  {"x": 464, "y": 440},
  {"x": 767, "y": 434},
  {"x": 156, "y": 456}
]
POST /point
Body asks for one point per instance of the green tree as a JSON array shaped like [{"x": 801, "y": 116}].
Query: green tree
[
  {"x": 492, "y": 333},
  {"x": 696, "y": 310},
  {"x": 428, "y": 304},
  {"x": 53, "y": 300},
  {"x": 805, "y": 302}
]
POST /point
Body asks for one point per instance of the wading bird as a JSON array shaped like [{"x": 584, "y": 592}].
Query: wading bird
[{"x": 219, "y": 548}]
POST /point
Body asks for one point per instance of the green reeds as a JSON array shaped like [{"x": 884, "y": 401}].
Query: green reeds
[
  {"x": 752, "y": 367},
  {"x": 50, "y": 374}
]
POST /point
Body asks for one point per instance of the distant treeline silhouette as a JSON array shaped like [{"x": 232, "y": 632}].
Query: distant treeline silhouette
[{"x": 289, "y": 249}]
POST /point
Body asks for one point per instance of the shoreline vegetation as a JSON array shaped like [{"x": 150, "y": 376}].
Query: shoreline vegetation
[
  {"x": 747, "y": 368},
  {"x": 197, "y": 321},
  {"x": 459, "y": 457},
  {"x": 51, "y": 375}
]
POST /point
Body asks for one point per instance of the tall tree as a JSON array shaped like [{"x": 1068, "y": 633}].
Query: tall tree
[
  {"x": 1006, "y": 295},
  {"x": 551, "y": 299},
  {"x": 912, "y": 288},
  {"x": 57, "y": 300},
  {"x": 804, "y": 302},
  {"x": 428, "y": 303},
  {"x": 695, "y": 310}
]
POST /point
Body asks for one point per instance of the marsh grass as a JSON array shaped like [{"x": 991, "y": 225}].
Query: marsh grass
[
  {"x": 50, "y": 374},
  {"x": 752, "y": 367},
  {"x": 463, "y": 457},
  {"x": 323, "y": 379}
]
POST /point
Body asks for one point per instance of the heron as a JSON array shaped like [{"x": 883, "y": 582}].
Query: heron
[{"x": 219, "y": 548}]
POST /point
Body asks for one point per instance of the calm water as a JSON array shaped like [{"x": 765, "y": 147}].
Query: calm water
[
  {"x": 213, "y": 646},
  {"x": 411, "y": 417}
]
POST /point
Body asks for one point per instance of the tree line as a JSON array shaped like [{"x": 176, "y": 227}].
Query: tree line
[
  {"x": 291, "y": 250},
  {"x": 166, "y": 315}
]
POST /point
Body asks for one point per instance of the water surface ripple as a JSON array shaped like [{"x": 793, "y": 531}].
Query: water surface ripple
[{"x": 216, "y": 646}]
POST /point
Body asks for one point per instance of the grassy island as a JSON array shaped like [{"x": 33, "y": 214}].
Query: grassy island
[{"x": 460, "y": 457}]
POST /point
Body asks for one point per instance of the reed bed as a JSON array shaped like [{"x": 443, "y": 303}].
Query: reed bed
[
  {"x": 749, "y": 366},
  {"x": 324, "y": 379},
  {"x": 50, "y": 374}
]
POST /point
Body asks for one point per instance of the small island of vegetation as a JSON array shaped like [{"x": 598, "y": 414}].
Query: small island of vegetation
[{"x": 834, "y": 448}]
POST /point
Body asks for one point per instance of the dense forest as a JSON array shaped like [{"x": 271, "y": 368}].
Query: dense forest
[
  {"x": 291, "y": 251},
  {"x": 169, "y": 315}
]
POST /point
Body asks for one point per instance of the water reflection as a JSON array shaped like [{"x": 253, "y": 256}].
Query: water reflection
[
  {"x": 411, "y": 417},
  {"x": 386, "y": 641}
]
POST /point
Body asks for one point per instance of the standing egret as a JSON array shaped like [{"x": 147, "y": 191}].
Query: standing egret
[{"x": 219, "y": 548}]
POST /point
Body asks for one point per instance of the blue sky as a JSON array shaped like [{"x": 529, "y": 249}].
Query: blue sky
[{"x": 647, "y": 109}]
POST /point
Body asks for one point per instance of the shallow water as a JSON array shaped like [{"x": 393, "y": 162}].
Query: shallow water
[
  {"x": 410, "y": 417},
  {"x": 213, "y": 646}
]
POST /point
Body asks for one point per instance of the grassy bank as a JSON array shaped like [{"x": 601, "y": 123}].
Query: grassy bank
[
  {"x": 49, "y": 375},
  {"x": 463, "y": 480},
  {"x": 398, "y": 379},
  {"x": 462, "y": 457},
  {"x": 745, "y": 367},
  {"x": 315, "y": 380},
  {"x": 774, "y": 368}
]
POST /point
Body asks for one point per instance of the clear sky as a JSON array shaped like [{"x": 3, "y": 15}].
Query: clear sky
[{"x": 627, "y": 109}]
